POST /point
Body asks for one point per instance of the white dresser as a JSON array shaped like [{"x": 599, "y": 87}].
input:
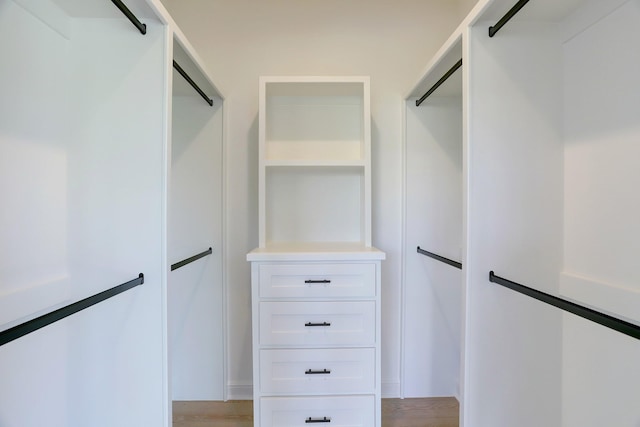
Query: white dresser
[
  {"x": 316, "y": 337},
  {"x": 315, "y": 276}
]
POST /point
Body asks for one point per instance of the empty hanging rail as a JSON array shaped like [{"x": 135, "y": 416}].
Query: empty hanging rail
[
  {"x": 191, "y": 259},
  {"x": 59, "y": 314},
  {"x": 451, "y": 262},
  {"x": 510, "y": 14},
  {"x": 439, "y": 82},
  {"x": 124, "y": 9},
  {"x": 595, "y": 316},
  {"x": 192, "y": 83}
]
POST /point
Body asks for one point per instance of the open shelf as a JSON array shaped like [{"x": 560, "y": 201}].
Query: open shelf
[
  {"x": 314, "y": 160},
  {"x": 320, "y": 120},
  {"x": 316, "y": 204}
]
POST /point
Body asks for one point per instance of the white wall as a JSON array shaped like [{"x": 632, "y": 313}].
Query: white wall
[
  {"x": 242, "y": 39},
  {"x": 465, "y": 6}
]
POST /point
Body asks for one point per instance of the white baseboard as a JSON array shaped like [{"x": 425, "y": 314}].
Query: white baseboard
[
  {"x": 239, "y": 392},
  {"x": 390, "y": 390}
]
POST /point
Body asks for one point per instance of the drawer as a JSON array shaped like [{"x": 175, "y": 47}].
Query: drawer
[
  {"x": 306, "y": 280},
  {"x": 317, "y": 371},
  {"x": 343, "y": 411},
  {"x": 317, "y": 323}
]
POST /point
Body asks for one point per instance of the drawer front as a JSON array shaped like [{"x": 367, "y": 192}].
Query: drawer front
[
  {"x": 317, "y": 371},
  {"x": 317, "y": 323},
  {"x": 343, "y": 411},
  {"x": 317, "y": 280}
]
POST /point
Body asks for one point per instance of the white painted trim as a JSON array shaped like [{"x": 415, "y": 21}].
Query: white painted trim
[
  {"x": 239, "y": 392},
  {"x": 466, "y": 185},
  {"x": 166, "y": 179},
  {"x": 178, "y": 35},
  {"x": 225, "y": 249},
  {"x": 391, "y": 390},
  {"x": 403, "y": 253},
  {"x": 449, "y": 45},
  {"x": 616, "y": 300}
]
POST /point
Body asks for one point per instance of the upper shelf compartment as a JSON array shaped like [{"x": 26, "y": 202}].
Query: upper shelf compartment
[{"x": 310, "y": 121}]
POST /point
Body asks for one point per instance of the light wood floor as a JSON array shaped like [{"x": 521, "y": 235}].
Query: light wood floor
[{"x": 432, "y": 412}]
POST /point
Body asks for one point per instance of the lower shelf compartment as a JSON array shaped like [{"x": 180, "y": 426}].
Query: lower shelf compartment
[{"x": 334, "y": 411}]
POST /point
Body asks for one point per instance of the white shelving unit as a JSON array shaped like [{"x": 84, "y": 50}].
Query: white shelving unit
[
  {"x": 548, "y": 201},
  {"x": 85, "y": 141},
  {"x": 315, "y": 179},
  {"x": 552, "y": 135},
  {"x": 433, "y": 220},
  {"x": 195, "y": 291},
  {"x": 315, "y": 276}
]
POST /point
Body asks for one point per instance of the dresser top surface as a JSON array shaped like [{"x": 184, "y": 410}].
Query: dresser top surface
[{"x": 316, "y": 252}]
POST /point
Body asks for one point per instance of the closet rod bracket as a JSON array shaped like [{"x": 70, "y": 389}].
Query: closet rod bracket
[
  {"x": 135, "y": 21},
  {"x": 192, "y": 83},
  {"x": 507, "y": 17},
  {"x": 439, "y": 82}
]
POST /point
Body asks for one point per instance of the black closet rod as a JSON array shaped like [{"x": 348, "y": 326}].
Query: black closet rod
[
  {"x": 189, "y": 260},
  {"x": 451, "y": 262},
  {"x": 59, "y": 314},
  {"x": 439, "y": 82},
  {"x": 595, "y": 316},
  {"x": 124, "y": 9},
  {"x": 510, "y": 14},
  {"x": 192, "y": 83}
]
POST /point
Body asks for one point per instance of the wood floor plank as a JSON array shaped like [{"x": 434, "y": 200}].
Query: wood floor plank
[{"x": 424, "y": 412}]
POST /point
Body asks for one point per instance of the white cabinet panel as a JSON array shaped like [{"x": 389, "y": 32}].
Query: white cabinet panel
[
  {"x": 342, "y": 411},
  {"x": 317, "y": 280},
  {"x": 317, "y": 323},
  {"x": 318, "y": 346},
  {"x": 317, "y": 371}
]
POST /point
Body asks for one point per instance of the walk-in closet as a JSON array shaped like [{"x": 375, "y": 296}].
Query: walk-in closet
[{"x": 398, "y": 212}]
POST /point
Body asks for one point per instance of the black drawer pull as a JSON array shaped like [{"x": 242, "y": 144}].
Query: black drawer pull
[
  {"x": 317, "y": 281},
  {"x": 312, "y": 372},
  {"x": 317, "y": 420},
  {"x": 317, "y": 324}
]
